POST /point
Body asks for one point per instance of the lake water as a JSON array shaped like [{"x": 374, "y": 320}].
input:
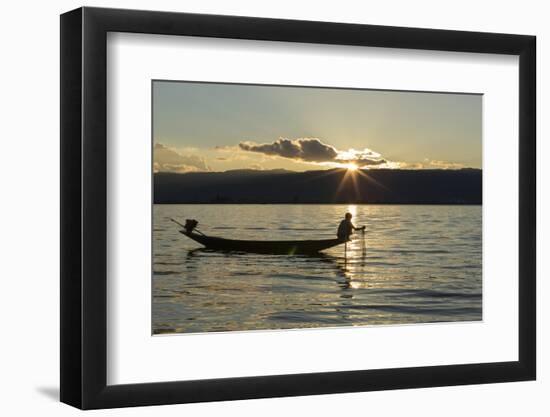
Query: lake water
[{"x": 417, "y": 264}]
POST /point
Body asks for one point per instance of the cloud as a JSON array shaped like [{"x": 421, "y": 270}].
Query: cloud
[
  {"x": 361, "y": 158},
  {"x": 429, "y": 164},
  {"x": 166, "y": 159},
  {"x": 226, "y": 148},
  {"x": 442, "y": 164},
  {"x": 308, "y": 149},
  {"x": 315, "y": 151}
]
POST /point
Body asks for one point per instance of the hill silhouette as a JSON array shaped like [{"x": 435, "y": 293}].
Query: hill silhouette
[{"x": 384, "y": 186}]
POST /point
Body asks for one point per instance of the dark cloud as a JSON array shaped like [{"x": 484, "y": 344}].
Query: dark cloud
[
  {"x": 313, "y": 150},
  {"x": 307, "y": 149},
  {"x": 166, "y": 159}
]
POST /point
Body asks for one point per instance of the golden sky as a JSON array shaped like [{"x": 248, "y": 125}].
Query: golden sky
[{"x": 218, "y": 127}]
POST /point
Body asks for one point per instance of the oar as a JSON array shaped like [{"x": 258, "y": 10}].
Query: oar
[
  {"x": 183, "y": 227},
  {"x": 346, "y": 254},
  {"x": 175, "y": 221}
]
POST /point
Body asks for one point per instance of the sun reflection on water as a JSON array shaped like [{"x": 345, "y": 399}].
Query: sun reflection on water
[{"x": 352, "y": 208}]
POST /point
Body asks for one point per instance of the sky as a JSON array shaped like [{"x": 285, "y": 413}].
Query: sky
[{"x": 219, "y": 127}]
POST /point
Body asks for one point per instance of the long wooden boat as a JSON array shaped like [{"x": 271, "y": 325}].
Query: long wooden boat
[{"x": 283, "y": 247}]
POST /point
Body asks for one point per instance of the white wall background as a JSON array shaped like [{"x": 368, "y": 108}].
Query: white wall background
[{"x": 29, "y": 226}]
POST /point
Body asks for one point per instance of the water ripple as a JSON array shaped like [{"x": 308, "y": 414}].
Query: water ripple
[{"x": 418, "y": 264}]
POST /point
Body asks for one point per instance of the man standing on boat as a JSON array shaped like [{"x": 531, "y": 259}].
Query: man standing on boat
[{"x": 346, "y": 228}]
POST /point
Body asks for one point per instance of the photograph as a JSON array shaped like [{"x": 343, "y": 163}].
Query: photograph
[
  {"x": 256, "y": 207},
  {"x": 294, "y": 207}
]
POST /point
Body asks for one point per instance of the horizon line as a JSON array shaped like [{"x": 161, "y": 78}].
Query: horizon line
[{"x": 321, "y": 170}]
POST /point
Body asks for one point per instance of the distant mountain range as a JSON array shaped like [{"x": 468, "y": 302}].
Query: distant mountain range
[{"x": 384, "y": 186}]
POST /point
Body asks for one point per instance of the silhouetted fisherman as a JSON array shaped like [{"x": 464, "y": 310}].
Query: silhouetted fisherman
[{"x": 346, "y": 228}]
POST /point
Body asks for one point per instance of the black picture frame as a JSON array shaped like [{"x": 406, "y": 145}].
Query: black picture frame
[{"x": 84, "y": 207}]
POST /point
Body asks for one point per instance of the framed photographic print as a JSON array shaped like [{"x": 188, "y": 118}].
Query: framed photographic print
[{"x": 257, "y": 207}]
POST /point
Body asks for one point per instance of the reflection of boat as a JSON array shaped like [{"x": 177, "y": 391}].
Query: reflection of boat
[{"x": 283, "y": 247}]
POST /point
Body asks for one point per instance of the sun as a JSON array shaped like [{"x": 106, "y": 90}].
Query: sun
[{"x": 351, "y": 167}]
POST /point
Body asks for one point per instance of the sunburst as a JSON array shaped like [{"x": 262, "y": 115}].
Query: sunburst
[{"x": 353, "y": 174}]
